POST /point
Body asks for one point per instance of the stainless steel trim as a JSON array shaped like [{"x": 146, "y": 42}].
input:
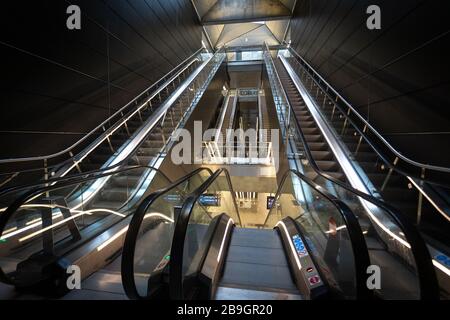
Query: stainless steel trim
[{"x": 222, "y": 115}]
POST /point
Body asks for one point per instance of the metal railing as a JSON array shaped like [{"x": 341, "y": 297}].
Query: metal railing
[
  {"x": 48, "y": 165},
  {"x": 396, "y": 160},
  {"x": 258, "y": 153},
  {"x": 429, "y": 181},
  {"x": 185, "y": 98}
]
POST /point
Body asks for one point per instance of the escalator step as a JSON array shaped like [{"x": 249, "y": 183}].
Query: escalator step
[
  {"x": 311, "y": 131},
  {"x": 322, "y": 155},
  {"x": 325, "y": 165},
  {"x": 318, "y": 146},
  {"x": 314, "y": 138},
  {"x": 125, "y": 181}
]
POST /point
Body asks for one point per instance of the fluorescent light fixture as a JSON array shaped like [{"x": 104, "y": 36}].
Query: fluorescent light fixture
[
  {"x": 37, "y": 222},
  {"x": 230, "y": 222},
  {"x": 122, "y": 231},
  {"x": 297, "y": 260},
  {"x": 110, "y": 240},
  {"x": 429, "y": 199},
  {"x": 441, "y": 267}
]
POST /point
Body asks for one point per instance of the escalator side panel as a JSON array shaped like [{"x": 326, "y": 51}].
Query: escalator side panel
[
  {"x": 216, "y": 254},
  {"x": 303, "y": 269}
]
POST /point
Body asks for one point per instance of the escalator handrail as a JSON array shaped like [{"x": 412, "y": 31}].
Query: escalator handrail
[
  {"x": 67, "y": 150},
  {"x": 425, "y": 269},
  {"x": 11, "y": 210},
  {"x": 371, "y": 128},
  {"x": 57, "y": 179},
  {"x": 359, "y": 247},
  {"x": 432, "y": 183},
  {"x": 129, "y": 245},
  {"x": 52, "y": 181},
  {"x": 179, "y": 236}
]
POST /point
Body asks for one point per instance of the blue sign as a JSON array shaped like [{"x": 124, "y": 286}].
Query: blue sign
[{"x": 209, "y": 200}]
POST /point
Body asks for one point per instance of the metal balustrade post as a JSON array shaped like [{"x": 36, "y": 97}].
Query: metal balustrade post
[
  {"x": 333, "y": 112},
  {"x": 420, "y": 199},
  {"x": 75, "y": 162},
  {"x": 360, "y": 140},
  {"x": 46, "y": 173},
  {"x": 388, "y": 177},
  {"x": 346, "y": 122},
  {"x": 127, "y": 129}
]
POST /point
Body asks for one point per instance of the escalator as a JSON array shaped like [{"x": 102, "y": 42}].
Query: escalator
[
  {"x": 84, "y": 215},
  {"x": 99, "y": 147},
  {"x": 50, "y": 228},
  {"x": 390, "y": 247},
  {"x": 315, "y": 139},
  {"x": 185, "y": 239},
  {"x": 418, "y": 192},
  {"x": 295, "y": 256}
]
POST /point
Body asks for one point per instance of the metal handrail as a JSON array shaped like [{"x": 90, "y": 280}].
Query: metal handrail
[
  {"x": 393, "y": 165},
  {"x": 369, "y": 126},
  {"x": 179, "y": 236},
  {"x": 425, "y": 269},
  {"x": 17, "y": 204},
  {"x": 359, "y": 247},
  {"x": 67, "y": 150},
  {"x": 129, "y": 245}
]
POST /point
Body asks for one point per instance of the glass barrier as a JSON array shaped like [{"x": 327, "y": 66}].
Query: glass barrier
[
  {"x": 388, "y": 247},
  {"x": 149, "y": 238},
  {"x": 214, "y": 198},
  {"x": 49, "y": 222},
  {"x": 323, "y": 225}
]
